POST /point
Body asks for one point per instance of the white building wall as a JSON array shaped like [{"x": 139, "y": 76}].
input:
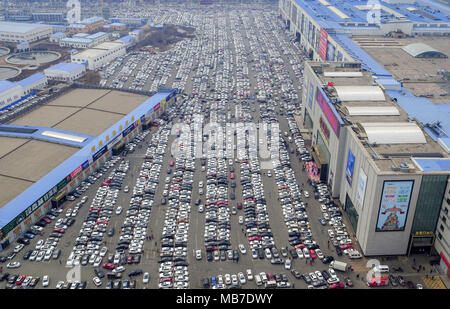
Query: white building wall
[
  {"x": 65, "y": 76},
  {"x": 11, "y": 95},
  {"x": 39, "y": 84}
]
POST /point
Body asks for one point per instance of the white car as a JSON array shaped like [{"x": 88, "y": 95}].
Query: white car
[
  {"x": 45, "y": 281},
  {"x": 287, "y": 264},
  {"x": 241, "y": 220},
  {"x": 146, "y": 278},
  {"x": 103, "y": 251},
  {"x": 97, "y": 281},
  {"x": 39, "y": 244},
  {"x": 306, "y": 193},
  {"x": 241, "y": 278},
  {"x": 119, "y": 210},
  {"x": 126, "y": 189},
  {"x": 13, "y": 265},
  {"x": 242, "y": 249},
  {"x": 198, "y": 254},
  {"x": 249, "y": 274},
  {"x": 227, "y": 279}
]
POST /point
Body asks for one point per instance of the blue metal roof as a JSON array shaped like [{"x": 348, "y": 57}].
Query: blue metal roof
[
  {"x": 57, "y": 34},
  {"x": 433, "y": 165},
  {"x": 66, "y": 66},
  {"x": 126, "y": 39},
  {"x": 6, "y": 85},
  {"x": 41, "y": 187},
  {"x": 76, "y": 40},
  {"x": 96, "y": 35},
  {"x": 31, "y": 79}
]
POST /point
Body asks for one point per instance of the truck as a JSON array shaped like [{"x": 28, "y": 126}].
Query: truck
[{"x": 337, "y": 265}]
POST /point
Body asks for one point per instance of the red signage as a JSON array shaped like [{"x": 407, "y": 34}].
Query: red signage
[
  {"x": 156, "y": 107},
  {"x": 323, "y": 43},
  {"x": 76, "y": 172}
]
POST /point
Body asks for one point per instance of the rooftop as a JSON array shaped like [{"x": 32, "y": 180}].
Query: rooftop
[
  {"x": 31, "y": 79},
  {"x": 5, "y": 85},
  {"x": 76, "y": 40},
  {"x": 373, "y": 118},
  {"x": 6, "y": 26},
  {"x": 84, "y": 112},
  {"x": 65, "y": 66}
]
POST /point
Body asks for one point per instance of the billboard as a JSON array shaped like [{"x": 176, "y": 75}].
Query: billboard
[
  {"x": 350, "y": 167},
  {"x": 362, "y": 182},
  {"x": 394, "y": 205},
  {"x": 323, "y": 44},
  {"x": 328, "y": 110},
  {"x": 99, "y": 153}
]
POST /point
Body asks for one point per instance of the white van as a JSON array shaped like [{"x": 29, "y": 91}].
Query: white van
[
  {"x": 381, "y": 268},
  {"x": 354, "y": 255}
]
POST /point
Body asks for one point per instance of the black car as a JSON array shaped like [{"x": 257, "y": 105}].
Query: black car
[
  {"x": 209, "y": 256},
  {"x": 307, "y": 278},
  {"x": 99, "y": 273},
  {"x": 136, "y": 272},
  {"x": 328, "y": 259},
  {"x": 26, "y": 256},
  {"x": 325, "y": 274},
  {"x": 205, "y": 283},
  {"x": 293, "y": 253},
  {"x": 111, "y": 232},
  {"x": 137, "y": 259}
]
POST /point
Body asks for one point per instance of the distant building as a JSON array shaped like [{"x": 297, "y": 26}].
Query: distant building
[
  {"x": 91, "y": 24},
  {"x": 128, "y": 41},
  {"x": 33, "y": 82},
  {"x": 65, "y": 71},
  {"x": 23, "y": 47},
  {"x": 22, "y": 32},
  {"x": 100, "y": 55},
  {"x": 56, "y": 37},
  {"x": 115, "y": 27},
  {"x": 48, "y": 17},
  {"x": 76, "y": 43},
  {"x": 137, "y": 34},
  {"x": 9, "y": 92}
]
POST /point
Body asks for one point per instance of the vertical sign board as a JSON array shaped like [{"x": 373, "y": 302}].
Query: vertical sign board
[
  {"x": 323, "y": 44},
  {"x": 328, "y": 110},
  {"x": 350, "y": 167},
  {"x": 394, "y": 205},
  {"x": 360, "y": 194}
]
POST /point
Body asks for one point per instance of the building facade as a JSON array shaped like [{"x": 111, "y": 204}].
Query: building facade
[
  {"x": 23, "y": 32},
  {"x": 65, "y": 71},
  {"x": 102, "y": 54}
]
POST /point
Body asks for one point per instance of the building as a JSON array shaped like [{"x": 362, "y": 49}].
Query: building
[
  {"x": 22, "y": 32},
  {"x": 56, "y": 37},
  {"x": 70, "y": 149},
  {"x": 127, "y": 40},
  {"x": 48, "y": 17},
  {"x": 34, "y": 82},
  {"x": 130, "y": 21},
  {"x": 443, "y": 233},
  {"x": 65, "y": 71},
  {"x": 348, "y": 32},
  {"x": 23, "y": 47},
  {"x": 115, "y": 27},
  {"x": 392, "y": 185},
  {"x": 98, "y": 37},
  {"x": 138, "y": 34},
  {"x": 12, "y": 92},
  {"x": 87, "y": 25},
  {"x": 9, "y": 93},
  {"x": 76, "y": 43},
  {"x": 100, "y": 55}
]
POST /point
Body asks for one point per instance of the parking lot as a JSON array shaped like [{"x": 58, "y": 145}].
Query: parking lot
[{"x": 162, "y": 215}]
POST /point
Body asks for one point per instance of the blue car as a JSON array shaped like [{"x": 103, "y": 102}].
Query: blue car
[
  {"x": 29, "y": 235},
  {"x": 213, "y": 281},
  {"x": 323, "y": 221},
  {"x": 169, "y": 171}
]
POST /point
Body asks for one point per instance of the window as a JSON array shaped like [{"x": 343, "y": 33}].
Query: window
[
  {"x": 444, "y": 219},
  {"x": 439, "y": 235},
  {"x": 442, "y": 228}
]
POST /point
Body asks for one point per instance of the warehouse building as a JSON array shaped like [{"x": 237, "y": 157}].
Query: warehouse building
[
  {"x": 65, "y": 71},
  {"x": 37, "y": 81},
  {"x": 9, "y": 93},
  {"x": 13, "y": 92},
  {"x": 56, "y": 37},
  {"x": 23, "y": 32},
  {"x": 73, "y": 134},
  {"x": 100, "y": 55},
  {"x": 76, "y": 43}
]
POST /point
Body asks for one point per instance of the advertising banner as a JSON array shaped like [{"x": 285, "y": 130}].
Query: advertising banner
[
  {"x": 17, "y": 230},
  {"x": 27, "y": 222},
  {"x": 350, "y": 167},
  {"x": 85, "y": 165},
  {"x": 323, "y": 44},
  {"x": 99, "y": 153},
  {"x": 156, "y": 107},
  {"x": 328, "y": 110},
  {"x": 78, "y": 170},
  {"x": 362, "y": 182},
  {"x": 394, "y": 205},
  {"x": 128, "y": 130}
]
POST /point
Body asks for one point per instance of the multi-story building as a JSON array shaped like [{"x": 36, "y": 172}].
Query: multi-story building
[
  {"x": 390, "y": 185},
  {"x": 100, "y": 55}
]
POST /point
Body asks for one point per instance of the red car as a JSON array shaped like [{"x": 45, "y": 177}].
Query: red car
[
  {"x": 56, "y": 230},
  {"x": 380, "y": 281},
  {"x": 232, "y": 176},
  {"x": 47, "y": 220},
  {"x": 312, "y": 253},
  {"x": 102, "y": 222},
  {"x": 130, "y": 259},
  {"x": 20, "y": 279},
  {"x": 239, "y": 205},
  {"x": 337, "y": 286},
  {"x": 109, "y": 266},
  {"x": 346, "y": 247},
  {"x": 165, "y": 279},
  {"x": 172, "y": 163}
]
